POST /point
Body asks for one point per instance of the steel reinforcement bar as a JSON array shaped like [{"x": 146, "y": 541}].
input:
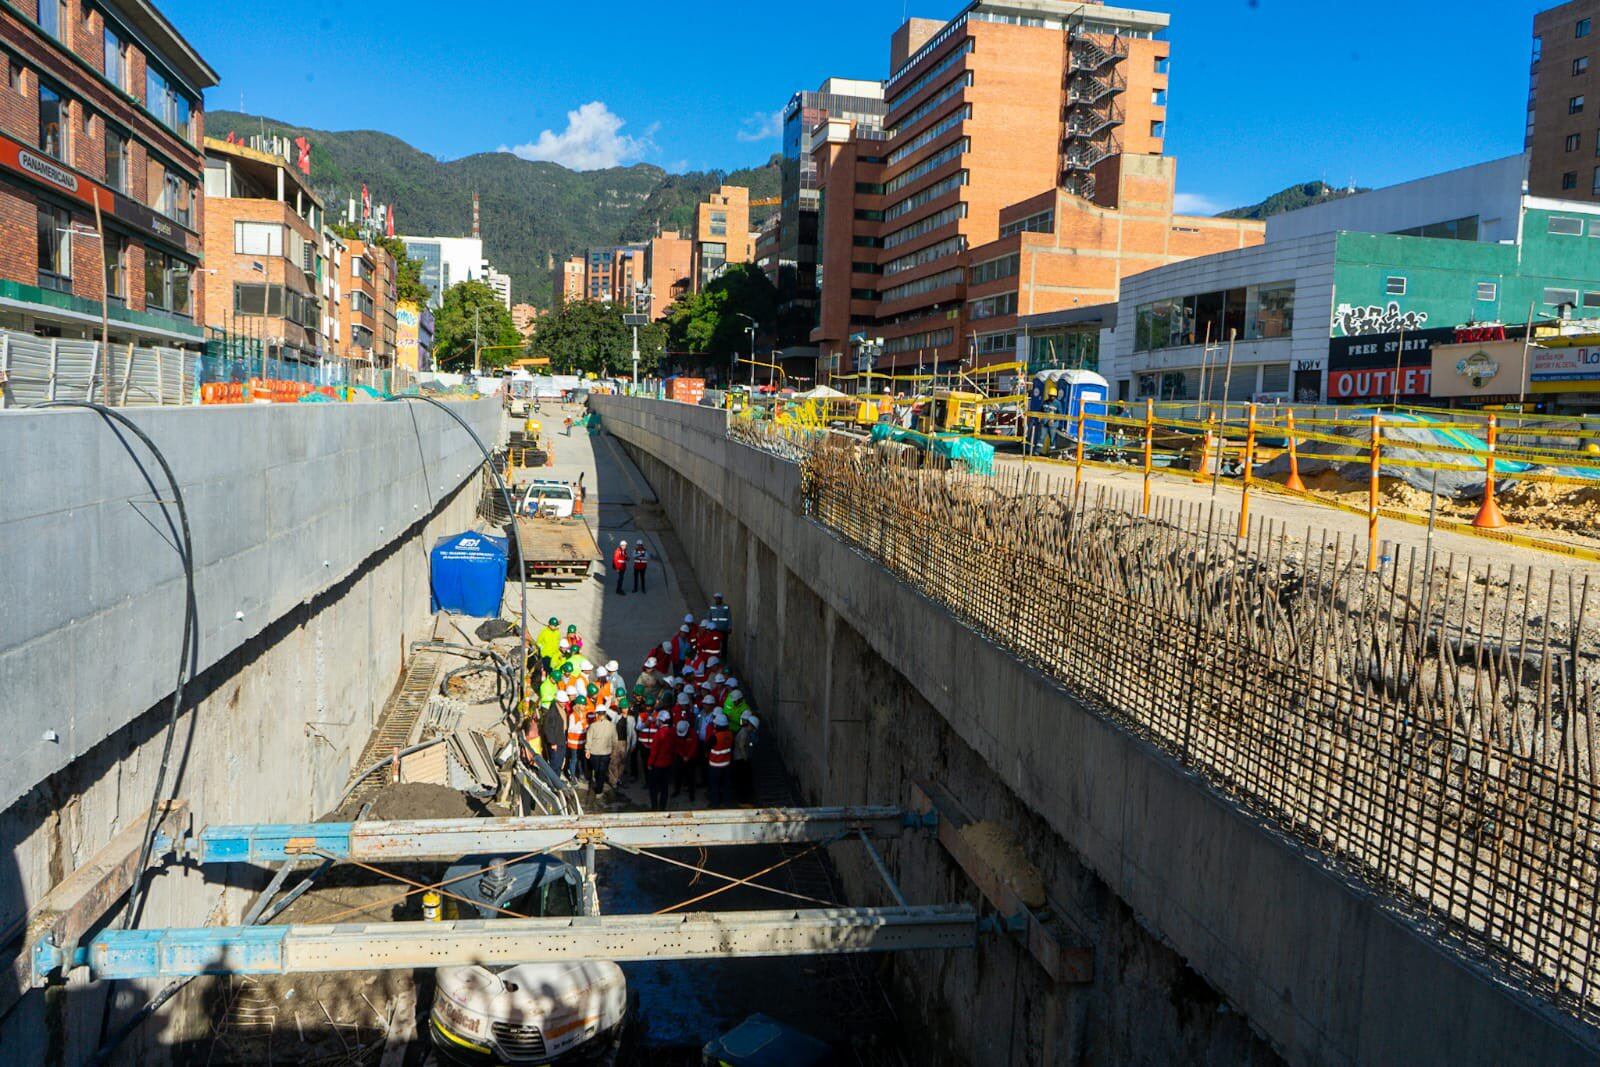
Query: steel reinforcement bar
[{"x": 1431, "y": 725}]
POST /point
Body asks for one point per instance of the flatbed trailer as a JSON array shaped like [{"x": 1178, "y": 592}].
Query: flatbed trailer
[{"x": 556, "y": 550}]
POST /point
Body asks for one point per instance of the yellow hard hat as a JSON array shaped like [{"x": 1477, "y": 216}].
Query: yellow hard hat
[{"x": 1593, "y": 448}]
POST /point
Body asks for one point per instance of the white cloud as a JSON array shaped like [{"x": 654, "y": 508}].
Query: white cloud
[
  {"x": 762, "y": 126},
  {"x": 592, "y": 140},
  {"x": 1194, "y": 204}
]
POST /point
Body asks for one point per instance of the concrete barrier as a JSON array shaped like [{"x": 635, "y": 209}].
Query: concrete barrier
[
  {"x": 1321, "y": 966},
  {"x": 284, "y": 502}
]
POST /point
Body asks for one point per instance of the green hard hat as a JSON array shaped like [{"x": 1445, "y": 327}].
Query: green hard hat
[
  {"x": 638, "y": 690},
  {"x": 622, "y": 703},
  {"x": 572, "y": 629},
  {"x": 594, "y": 690},
  {"x": 579, "y": 699},
  {"x": 566, "y": 669},
  {"x": 554, "y": 621}
]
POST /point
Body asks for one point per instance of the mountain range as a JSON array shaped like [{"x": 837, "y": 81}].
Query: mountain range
[
  {"x": 532, "y": 214},
  {"x": 535, "y": 214}
]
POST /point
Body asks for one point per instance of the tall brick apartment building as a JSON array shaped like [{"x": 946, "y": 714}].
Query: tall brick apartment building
[
  {"x": 100, "y": 103},
  {"x": 367, "y": 277},
  {"x": 1019, "y": 169},
  {"x": 1563, "y": 137}
]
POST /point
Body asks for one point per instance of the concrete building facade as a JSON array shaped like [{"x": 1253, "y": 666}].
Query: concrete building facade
[
  {"x": 100, "y": 105},
  {"x": 851, "y": 100},
  {"x": 264, "y": 252},
  {"x": 722, "y": 233},
  {"x": 568, "y": 284},
  {"x": 1563, "y": 134},
  {"x": 447, "y": 261},
  {"x": 669, "y": 270},
  {"x": 501, "y": 284}
]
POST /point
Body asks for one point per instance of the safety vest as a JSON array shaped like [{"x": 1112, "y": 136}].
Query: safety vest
[
  {"x": 548, "y": 642},
  {"x": 647, "y": 732},
  {"x": 577, "y": 726},
  {"x": 721, "y": 753},
  {"x": 720, "y": 616}
]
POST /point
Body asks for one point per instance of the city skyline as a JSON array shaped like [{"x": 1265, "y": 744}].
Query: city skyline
[{"x": 553, "y": 102}]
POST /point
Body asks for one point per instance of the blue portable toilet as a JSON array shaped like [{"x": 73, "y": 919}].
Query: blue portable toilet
[
  {"x": 467, "y": 574},
  {"x": 1086, "y": 391}
]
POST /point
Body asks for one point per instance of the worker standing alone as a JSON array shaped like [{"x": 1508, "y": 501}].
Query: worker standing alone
[{"x": 619, "y": 563}]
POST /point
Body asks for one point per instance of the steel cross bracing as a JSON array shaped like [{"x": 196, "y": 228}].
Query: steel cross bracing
[
  {"x": 178, "y": 953},
  {"x": 428, "y": 839}
]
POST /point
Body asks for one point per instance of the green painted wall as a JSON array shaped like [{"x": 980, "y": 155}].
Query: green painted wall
[{"x": 1442, "y": 277}]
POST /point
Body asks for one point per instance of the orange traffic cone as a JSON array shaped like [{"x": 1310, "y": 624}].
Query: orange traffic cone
[
  {"x": 1489, "y": 517},
  {"x": 1294, "y": 481}
]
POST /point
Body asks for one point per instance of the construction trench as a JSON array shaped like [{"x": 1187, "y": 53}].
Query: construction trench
[{"x": 1116, "y": 908}]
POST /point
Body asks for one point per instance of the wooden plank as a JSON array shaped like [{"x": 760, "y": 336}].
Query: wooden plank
[
  {"x": 1039, "y": 931},
  {"x": 83, "y": 898}
]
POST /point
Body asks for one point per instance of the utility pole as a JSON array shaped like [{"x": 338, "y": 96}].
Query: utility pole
[
  {"x": 751, "y": 330},
  {"x": 477, "y": 365},
  {"x": 636, "y": 319}
]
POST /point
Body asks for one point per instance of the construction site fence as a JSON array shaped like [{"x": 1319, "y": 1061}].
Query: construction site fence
[
  {"x": 1430, "y": 726},
  {"x": 34, "y": 370}
]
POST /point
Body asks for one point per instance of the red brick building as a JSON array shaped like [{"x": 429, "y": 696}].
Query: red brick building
[
  {"x": 370, "y": 298},
  {"x": 1019, "y": 166},
  {"x": 100, "y": 105}
]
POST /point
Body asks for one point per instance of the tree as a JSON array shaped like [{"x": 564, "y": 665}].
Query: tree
[
  {"x": 465, "y": 306},
  {"x": 587, "y": 336},
  {"x": 708, "y": 323},
  {"x": 407, "y": 273}
]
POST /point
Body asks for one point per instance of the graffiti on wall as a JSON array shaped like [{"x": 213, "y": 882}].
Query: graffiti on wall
[{"x": 1353, "y": 321}]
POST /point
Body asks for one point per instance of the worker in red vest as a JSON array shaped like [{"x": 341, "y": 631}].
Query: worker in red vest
[
  {"x": 686, "y": 746},
  {"x": 619, "y": 563},
  {"x": 719, "y": 758},
  {"x": 658, "y": 764},
  {"x": 645, "y": 725}
]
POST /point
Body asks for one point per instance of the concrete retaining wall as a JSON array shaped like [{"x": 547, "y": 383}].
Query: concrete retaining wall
[
  {"x": 316, "y": 523},
  {"x": 898, "y": 688},
  {"x": 283, "y": 501}
]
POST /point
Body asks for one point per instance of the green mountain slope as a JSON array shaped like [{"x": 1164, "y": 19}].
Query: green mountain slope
[
  {"x": 533, "y": 215},
  {"x": 1291, "y": 199}
]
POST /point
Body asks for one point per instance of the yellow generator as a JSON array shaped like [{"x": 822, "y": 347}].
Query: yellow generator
[{"x": 953, "y": 411}]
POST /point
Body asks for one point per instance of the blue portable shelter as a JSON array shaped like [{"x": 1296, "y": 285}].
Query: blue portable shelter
[{"x": 467, "y": 574}]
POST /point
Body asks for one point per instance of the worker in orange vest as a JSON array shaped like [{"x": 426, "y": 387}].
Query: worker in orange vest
[
  {"x": 719, "y": 758},
  {"x": 577, "y": 730}
]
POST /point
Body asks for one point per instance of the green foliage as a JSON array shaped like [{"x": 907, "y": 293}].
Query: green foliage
[
  {"x": 587, "y": 336},
  {"x": 408, "y": 273},
  {"x": 465, "y": 306},
  {"x": 1290, "y": 199},
  {"x": 708, "y": 323},
  {"x": 534, "y": 214}
]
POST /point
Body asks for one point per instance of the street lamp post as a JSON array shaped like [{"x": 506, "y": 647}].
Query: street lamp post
[
  {"x": 635, "y": 319},
  {"x": 477, "y": 365},
  {"x": 751, "y": 330}
]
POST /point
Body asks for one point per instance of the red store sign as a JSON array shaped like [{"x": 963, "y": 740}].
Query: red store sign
[{"x": 1377, "y": 383}]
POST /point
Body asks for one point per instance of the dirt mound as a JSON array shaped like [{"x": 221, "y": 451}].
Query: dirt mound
[
  {"x": 1552, "y": 507},
  {"x": 415, "y": 800},
  {"x": 1000, "y": 850}
]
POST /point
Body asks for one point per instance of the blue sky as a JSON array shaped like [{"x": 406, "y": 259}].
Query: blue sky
[{"x": 1265, "y": 93}]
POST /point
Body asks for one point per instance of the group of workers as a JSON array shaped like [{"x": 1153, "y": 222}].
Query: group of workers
[{"x": 685, "y": 722}]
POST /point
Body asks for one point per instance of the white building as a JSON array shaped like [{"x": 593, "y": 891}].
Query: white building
[
  {"x": 501, "y": 284},
  {"x": 447, "y": 261}
]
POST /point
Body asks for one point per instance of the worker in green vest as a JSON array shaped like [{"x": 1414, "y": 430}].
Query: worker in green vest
[
  {"x": 548, "y": 642},
  {"x": 735, "y": 708}
]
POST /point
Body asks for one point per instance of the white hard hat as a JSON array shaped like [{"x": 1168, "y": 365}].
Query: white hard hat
[
  {"x": 716, "y": 596},
  {"x": 611, "y": 665},
  {"x": 706, "y": 623},
  {"x": 624, "y": 544},
  {"x": 720, "y": 719},
  {"x": 684, "y": 628},
  {"x": 733, "y": 682},
  {"x": 708, "y": 699},
  {"x": 601, "y": 673},
  {"x": 563, "y": 698},
  {"x": 683, "y": 698},
  {"x": 720, "y": 678},
  {"x": 751, "y": 718},
  {"x": 683, "y": 727},
  {"x": 663, "y": 717},
  {"x": 738, "y": 695},
  {"x": 688, "y": 618},
  {"x": 651, "y": 662}
]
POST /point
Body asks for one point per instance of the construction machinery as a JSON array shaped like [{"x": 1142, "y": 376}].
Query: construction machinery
[{"x": 555, "y": 541}]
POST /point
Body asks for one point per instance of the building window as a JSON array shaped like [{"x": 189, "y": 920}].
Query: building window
[
  {"x": 719, "y": 224},
  {"x": 995, "y": 269},
  {"x": 1163, "y": 64},
  {"x": 116, "y": 159},
  {"x": 1158, "y": 98},
  {"x": 1557, "y": 297},
  {"x": 116, "y": 267},
  {"x": 175, "y": 198},
  {"x": 1538, "y": 51},
  {"x": 1488, "y": 292},
  {"x": 258, "y": 239},
  {"x": 116, "y": 61},
  {"x": 1575, "y": 105},
  {"x": 1158, "y": 129},
  {"x": 1565, "y": 225},
  {"x": 167, "y": 104},
  {"x": 52, "y": 17},
  {"x": 1583, "y": 28},
  {"x": 1580, "y": 65},
  {"x": 52, "y": 123},
  {"x": 1594, "y": 182},
  {"x": 1043, "y": 222},
  {"x": 1275, "y": 313},
  {"x": 15, "y": 75},
  {"x": 1591, "y": 300},
  {"x": 1394, "y": 286},
  {"x": 1569, "y": 179},
  {"x": 166, "y": 282},
  {"x": 1573, "y": 141},
  {"x": 55, "y": 248}
]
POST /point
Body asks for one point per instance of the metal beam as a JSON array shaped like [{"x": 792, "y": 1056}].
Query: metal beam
[
  {"x": 83, "y": 898},
  {"x": 373, "y": 842},
  {"x": 178, "y": 953},
  {"x": 1041, "y": 930}
]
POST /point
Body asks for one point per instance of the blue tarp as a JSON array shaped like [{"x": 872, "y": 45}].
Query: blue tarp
[{"x": 467, "y": 574}]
